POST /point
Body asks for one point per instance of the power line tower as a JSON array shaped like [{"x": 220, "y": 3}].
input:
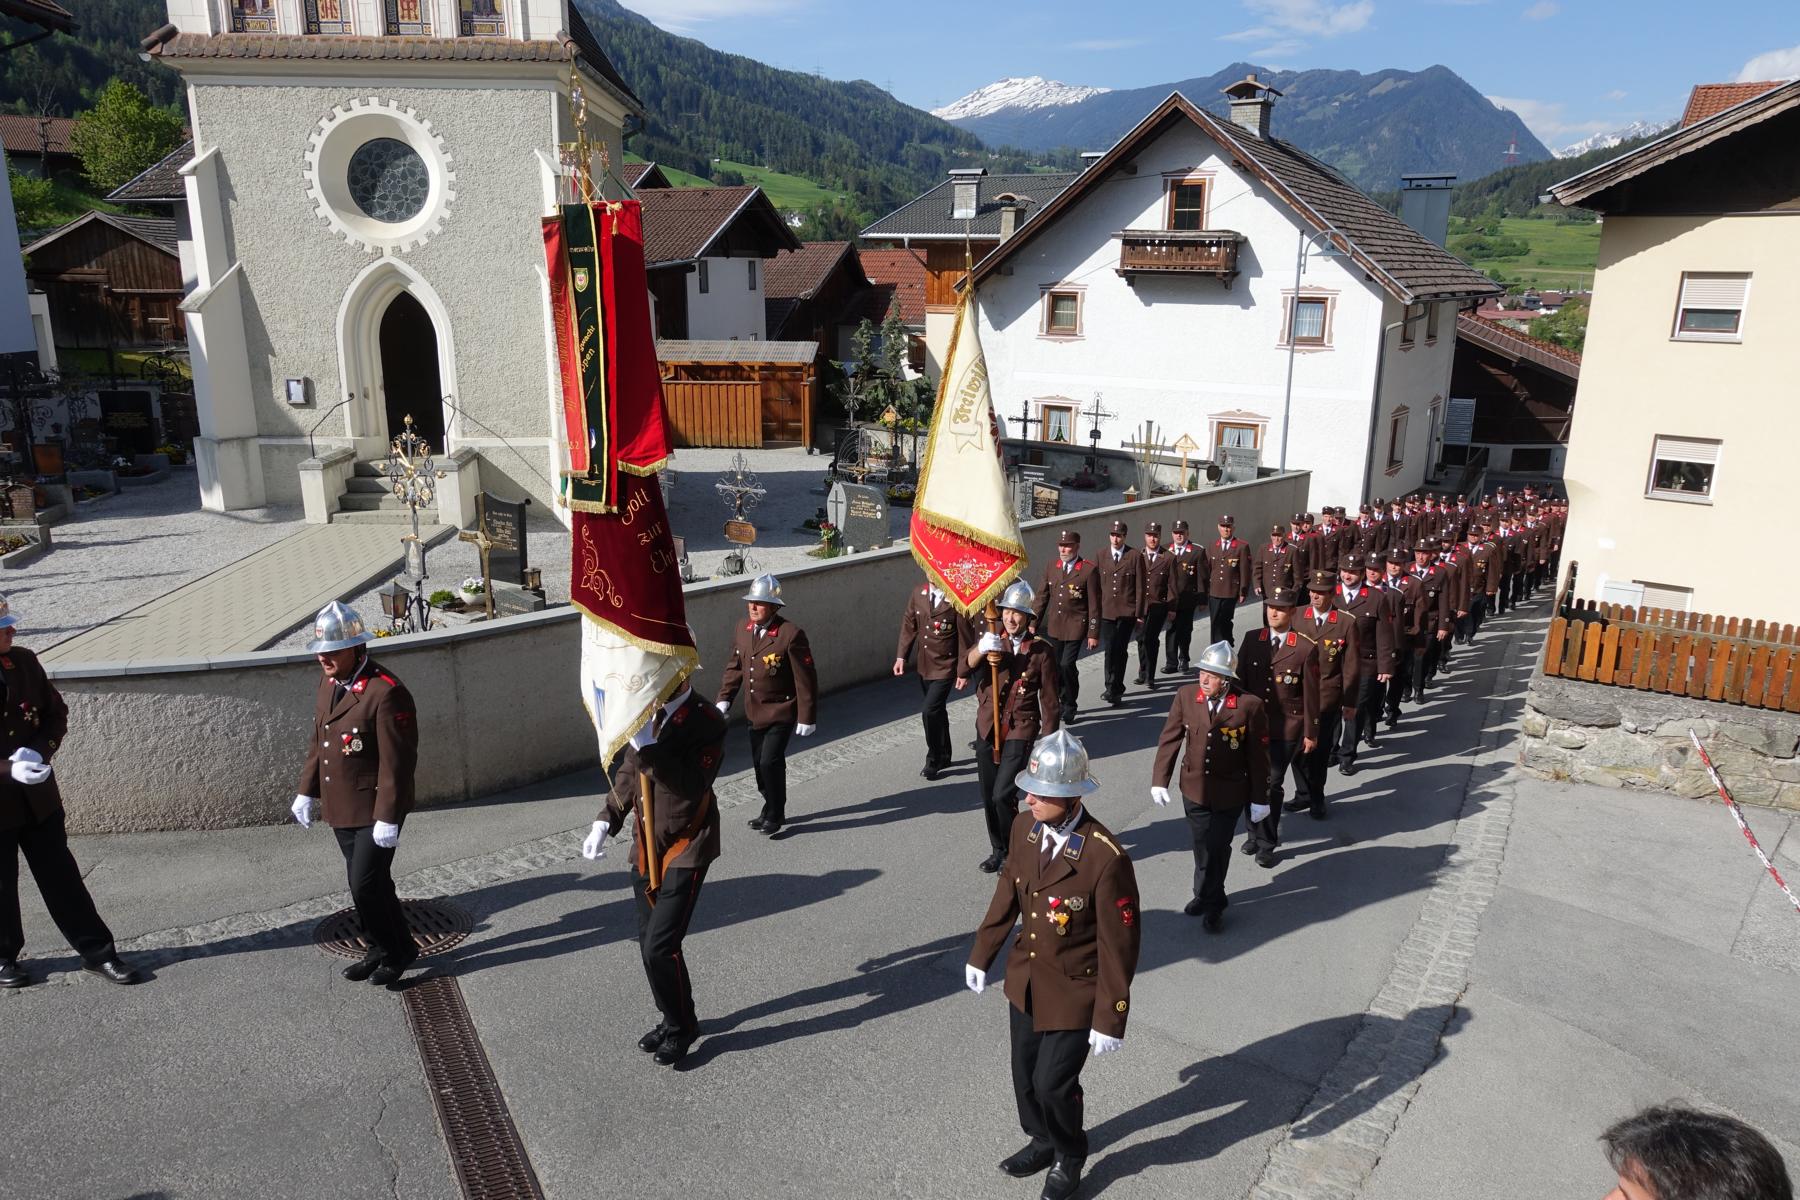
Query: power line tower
[{"x": 1511, "y": 157}]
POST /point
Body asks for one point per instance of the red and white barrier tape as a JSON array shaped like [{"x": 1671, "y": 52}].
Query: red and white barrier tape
[{"x": 1737, "y": 814}]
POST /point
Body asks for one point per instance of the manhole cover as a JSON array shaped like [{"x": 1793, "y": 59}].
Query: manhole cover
[{"x": 436, "y": 926}]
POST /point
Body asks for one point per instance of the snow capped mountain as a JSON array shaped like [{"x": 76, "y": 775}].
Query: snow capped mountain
[
  {"x": 1031, "y": 92},
  {"x": 1606, "y": 141}
]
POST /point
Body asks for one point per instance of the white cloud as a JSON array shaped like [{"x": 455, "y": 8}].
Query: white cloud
[
  {"x": 1543, "y": 10},
  {"x": 1776, "y": 64},
  {"x": 1284, "y": 22},
  {"x": 1108, "y": 43},
  {"x": 685, "y": 16},
  {"x": 1547, "y": 119},
  {"x": 1617, "y": 94}
]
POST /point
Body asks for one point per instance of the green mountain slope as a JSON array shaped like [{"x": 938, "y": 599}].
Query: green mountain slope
[{"x": 61, "y": 75}]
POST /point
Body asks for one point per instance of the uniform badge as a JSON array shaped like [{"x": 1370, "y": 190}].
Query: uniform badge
[
  {"x": 1059, "y": 918},
  {"x": 581, "y": 279},
  {"x": 1127, "y": 915},
  {"x": 772, "y": 661},
  {"x": 358, "y": 686},
  {"x": 1121, "y": 1006},
  {"x": 1076, "y": 903}
]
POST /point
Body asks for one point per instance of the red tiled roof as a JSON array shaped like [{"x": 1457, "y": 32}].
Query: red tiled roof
[
  {"x": 1508, "y": 340},
  {"x": 1711, "y": 99},
  {"x": 899, "y": 277},
  {"x": 800, "y": 273},
  {"x": 26, "y": 135}
]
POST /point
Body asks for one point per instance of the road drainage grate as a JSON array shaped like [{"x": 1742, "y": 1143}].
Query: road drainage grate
[
  {"x": 435, "y": 925},
  {"x": 485, "y": 1151}
]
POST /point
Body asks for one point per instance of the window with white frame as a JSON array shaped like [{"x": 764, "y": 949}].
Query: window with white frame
[
  {"x": 1683, "y": 469},
  {"x": 1711, "y": 307}
]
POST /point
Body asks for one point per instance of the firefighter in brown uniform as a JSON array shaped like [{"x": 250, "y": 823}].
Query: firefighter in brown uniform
[
  {"x": 360, "y": 761},
  {"x": 1334, "y": 633},
  {"x": 1484, "y": 577},
  {"x": 1020, "y": 667},
  {"x": 1121, "y": 607},
  {"x": 1185, "y": 571},
  {"x": 31, "y": 820},
  {"x": 1068, "y": 614},
  {"x": 1367, "y": 605},
  {"x": 1072, "y": 893},
  {"x": 1159, "y": 598},
  {"x": 772, "y": 662},
  {"x": 1404, "y": 596},
  {"x": 1221, "y": 736},
  {"x": 1453, "y": 557},
  {"x": 678, "y": 750},
  {"x": 941, "y": 636},
  {"x": 1277, "y": 563},
  {"x": 1280, "y": 666},
  {"x": 1433, "y": 619},
  {"x": 1226, "y": 577}
]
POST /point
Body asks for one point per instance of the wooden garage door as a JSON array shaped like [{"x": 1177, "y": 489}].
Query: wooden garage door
[{"x": 708, "y": 413}]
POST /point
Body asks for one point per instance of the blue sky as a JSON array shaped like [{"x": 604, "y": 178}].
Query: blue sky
[{"x": 1568, "y": 67}]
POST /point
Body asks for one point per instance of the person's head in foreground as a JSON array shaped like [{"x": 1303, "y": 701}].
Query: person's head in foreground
[{"x": 1673, "y": 1153}]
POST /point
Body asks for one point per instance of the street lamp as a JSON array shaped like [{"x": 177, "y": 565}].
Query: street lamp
[{"x": 1330, "y": 251}]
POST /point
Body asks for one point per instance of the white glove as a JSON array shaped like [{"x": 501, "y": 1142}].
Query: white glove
[
  {"x": 30, "y": 773},
  {"x": 990, "y": 642},
  {"x": 1259, "y": 812},
  {"x": 593, "y": 846},
  {"x": 975, "y": 978},
  {"x": 1160, "y": 795},
  {"x": 386, "y": 836},
  {"x": 643, "y": 737},
  {"x": 1103, "y": 1044},
  {"x": 26, "y": 754},
  {"x": 806, "y": 730},
  {"x": 302, "y": 810},
  {"x": 724, "y": 706}
]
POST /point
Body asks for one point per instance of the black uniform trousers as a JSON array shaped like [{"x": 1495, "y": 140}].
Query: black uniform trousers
[
  {"x": 937, "y": 719},
  {"x": 1150, "y": 641},
  {"x": 661, "y": 928},
  {"x": 768, "y": 750},
  {"x": 46, "y": 849},
  {"x": 1266, "y": 833},
  {"x": 1115, "y": 644},
  {"x": 1399, "y": 686},
  {"x": 1046, "y": 1071},
  {"x": 1369, "y": 699},
  {"x": 1223, "y": 611},
  {"x": 1312, "y": 786},
  {"x": 1067, "y": 655},
  {"x": 370, "y": 869},
  {"x": 1212, "y": 829},
  {"x": 999, "y": 797},
  {"x": 1179, "y": 640}
]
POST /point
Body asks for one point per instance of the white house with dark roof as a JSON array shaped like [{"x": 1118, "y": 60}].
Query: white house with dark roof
[{"x": 1163, "y": 278}]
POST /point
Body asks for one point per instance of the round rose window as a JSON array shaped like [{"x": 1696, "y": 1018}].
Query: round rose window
[{"x": 388, "y": 180}]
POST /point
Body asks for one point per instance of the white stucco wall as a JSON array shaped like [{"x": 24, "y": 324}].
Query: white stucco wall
[
  {"x": 730, "y": 307},
  {"x": 1415, "y": 377},
  {"x": 1177, "y": 350}
]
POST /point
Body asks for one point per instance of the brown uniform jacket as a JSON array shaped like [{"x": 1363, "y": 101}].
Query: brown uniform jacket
[
  {"x": 1277, "y": 565},
  {"x": 1334, "y": 543},
  {"x": 1068, "y": 605},
  {"x": 681, "y": 765},
  {"x": 939, "y": 633},
  {"x": 1434, "y": 612},
  {"x": 1186, "y": 572},
  {"x": 1227, "y": 571},
  {"x": 1406, "y": 597},
  {"x": 1224, "y": 764},
  {"x": 35, "y": 718},
  {"x": 363, "y": 750},
  {"x": 1121, "y": 585},
  {"x": 1029, "y": 709},
  {"x": 1077, "y": 948},
  {"x": 1159, "y": 578},
  {"x": 775, "y": 670},
  {"x": 1335, "y": 633},
  {"x": 1374, "y": 617},
  {"x": 1365, "y": 538},
  {"x": 1284, "y": 671},
  {"x": 1484, "y": 568}
]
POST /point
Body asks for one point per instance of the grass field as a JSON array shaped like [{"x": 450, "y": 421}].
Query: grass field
[
  {"x": 1562, "y": 255},
  {"x": 784, "y": 191}
]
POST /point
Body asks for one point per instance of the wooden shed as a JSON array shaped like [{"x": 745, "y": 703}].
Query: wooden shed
[
  {"x": 112, "y": 281},
  {"x": 739, "y": 393}
]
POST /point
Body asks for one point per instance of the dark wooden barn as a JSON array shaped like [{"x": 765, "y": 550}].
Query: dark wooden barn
[{"x": 112, "y": 281}]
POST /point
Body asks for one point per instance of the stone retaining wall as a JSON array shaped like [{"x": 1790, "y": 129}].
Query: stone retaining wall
[{"x": 1618, "y": 737}]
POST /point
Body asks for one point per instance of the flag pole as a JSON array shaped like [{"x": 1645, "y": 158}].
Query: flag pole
[{"x": 647, "y": 826}]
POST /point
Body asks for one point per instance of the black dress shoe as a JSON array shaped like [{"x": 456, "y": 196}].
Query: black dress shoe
[
  {"x": 929, "y": 770},
  {"x": 1318, "y": 812},
  {"x": 674, "y": 1046},
  {"x": 1140, "y": 680},
  {"x": 12, "y": 975},
  {"x": 1392, "y": 720},
  {"x": 1170, "y": 669},
  {"x": 1029, "y": 1161},
  {"x": 772, "y": 826},
  {"x": 113, "y": 971},
  {"x": 650, "y": 1041},
  {"x": 1249, "y": 846},
  {"x": 364, "y": 967},
  {"x": 1266, "y": 858},
  {"x": 1192, "y": 908},
  {"x": 390, "y": 970},
  {"x": 757, "y": 823},
  {"x": 1212, "y": 922},
  {"x": 990, "y": 864},
  {"x": 1296, "y": 805},
  {"x": 1064, "y": 1179}
]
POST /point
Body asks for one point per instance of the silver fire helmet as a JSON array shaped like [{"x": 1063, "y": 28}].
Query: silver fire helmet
[
  {"x": 337, "y": 627},
  {"x": 1058, "y": 767},
  {"x": 1217, "y": 659},
  {"x": 765, "y": 589},
  {"x": 1019, "y": 597},
  {"x": 7, "y": 620}
]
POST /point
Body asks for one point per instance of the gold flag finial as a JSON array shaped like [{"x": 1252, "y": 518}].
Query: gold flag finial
[{"x": 578, "y": 156}]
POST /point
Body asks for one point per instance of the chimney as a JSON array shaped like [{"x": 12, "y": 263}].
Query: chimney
[
  {"x": 965, "y": 192},
  {"x": 1252, "y": 101},
  {"x": 1425, "y": 204},
  {"x": 1090, "y": 157},
  {"x": 1012, "y": 211}
]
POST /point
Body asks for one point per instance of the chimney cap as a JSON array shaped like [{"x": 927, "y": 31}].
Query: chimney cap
[
  {"x": 967, "y": 172},
  {"x": 1250, "y": 88},
  {"x": 1093, "y": 155}
]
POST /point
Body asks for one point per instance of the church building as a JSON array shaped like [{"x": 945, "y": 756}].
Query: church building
[{"x": 363, "y": 207}]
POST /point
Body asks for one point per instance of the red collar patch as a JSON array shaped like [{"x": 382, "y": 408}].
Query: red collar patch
[{"x": 1230, "y": 699}]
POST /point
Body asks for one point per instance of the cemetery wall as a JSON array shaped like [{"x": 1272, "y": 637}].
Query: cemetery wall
[{"x": 203, "y": 744}]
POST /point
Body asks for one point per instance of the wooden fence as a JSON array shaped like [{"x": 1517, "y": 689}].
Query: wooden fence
[
  {"x": 1733, "y": 660},
  {"x": 714, "y": 412}
]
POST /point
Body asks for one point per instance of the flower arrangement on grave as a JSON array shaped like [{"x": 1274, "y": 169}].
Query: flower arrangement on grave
[
  {"x": 901, "y": 493},
  {"x": 442, "y": 598},
  {"x": 830, "y": 536},
  {"x": 473, "y": 588},
  {"x": 175, "y": 454}
]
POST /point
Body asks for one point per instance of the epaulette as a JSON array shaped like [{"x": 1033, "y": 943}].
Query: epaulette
[
  {"x": 1302, "y": 633},
  {"x": 1108, "y": 843}
]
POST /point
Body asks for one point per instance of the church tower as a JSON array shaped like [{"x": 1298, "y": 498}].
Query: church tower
[{"x": 363, "y": 201}]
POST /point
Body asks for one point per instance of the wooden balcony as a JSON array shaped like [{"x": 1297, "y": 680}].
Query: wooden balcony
[{"x": 1212, "y": 252}]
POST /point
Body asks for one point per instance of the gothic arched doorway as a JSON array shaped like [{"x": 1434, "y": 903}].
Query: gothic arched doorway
[{"x": 410, "y": 380}]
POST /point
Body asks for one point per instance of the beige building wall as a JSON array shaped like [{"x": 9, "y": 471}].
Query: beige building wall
[{"x": 1735, "y": 550}]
